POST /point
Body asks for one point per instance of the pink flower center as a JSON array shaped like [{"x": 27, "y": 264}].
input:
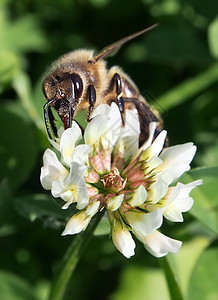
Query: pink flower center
[{"x": 114, "y": 181}]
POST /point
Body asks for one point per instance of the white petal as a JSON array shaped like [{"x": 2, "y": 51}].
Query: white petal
[
  {"x": 178, "y": 200},
  {"x": 157, "y": 146},
  {"x": 130, "y": 133},
  {"x": 122, "y": 239},
  {"x": 185, "y": 189},
  {"x": 92, "y": 208},
  {"x": 158, "y": 143},
  {"x": 132, "y": 125},
  {"x": 68, "y": 141},
  {"x": 68, "y": 194},
  {"x": 51, "y": 170},
  {"x": 145, "y": 223},
  {"x": 81, "y": 220},
  {"x": 114, "y": 203},
  {"x": 57, "y": 188},
  {"x": 131, "y": 146},
  {"x": 105, "y": 126},
  {"x": 69, "y": 198},
  {"x": 174, "y": 213},
  {"x": 80, "y": 154},
  {"x": 76, "y": 182},
  {"x": 114, "y": 110},
  {"x": 153, "y": 163},
  {"x": 72, "y": 187},
  {"x": 94, "y": 129},
  {"x": 112, "y": 128},
  {"x": 82, "y": 194},
  {"x": 157, "y": 190},
  {"x": 76, "y": 224},
  {"x": 55, "y": 144},
  {"x": 66, "y": 205},
  {"x": 139, "y": 196},
  {"x": 159, "y": 244},
  {"x": 152, "y": 127},
  {"x": 61, "y": 131},
  {"x": 102, "y": 109},
  {"x": 182, "y": 204},
  {"x": 176, "y": 161},
  {"x": 77, "y": 172}
]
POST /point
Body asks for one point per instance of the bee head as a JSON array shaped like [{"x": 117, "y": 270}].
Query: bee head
[{"x": 63, "y": 86}]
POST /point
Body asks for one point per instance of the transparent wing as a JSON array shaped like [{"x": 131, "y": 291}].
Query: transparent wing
[{"x": 113, "y": 48}]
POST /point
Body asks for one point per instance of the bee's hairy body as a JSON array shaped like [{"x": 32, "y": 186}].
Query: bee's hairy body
[{"x": 78, "y": 80}]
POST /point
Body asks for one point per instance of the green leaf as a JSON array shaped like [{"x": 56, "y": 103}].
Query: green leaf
[
  {"x": 12, "y": 34},
  {"x": 39, "y": 99},
  {"x": 24, "y": 90},
  {"x": 27, "y": 27},
  {"x": 186, "y": 260},
  {"x": 13, "y": 287},
  {"x": 209, "y": 157},
  {"x": 189, "y": 88},
  {"x": 212, "y": 38},
  {"x": 5, "y": 210},
  {"x": 177, "y": 42},
  {"x": 172, "y": 276},
  {"x": 71, "y": 259},
  {"x": 203, "y": 282},
  {"x": 178, "y": 268},
  {"x": 139, "y": 282},
  {"x": 42, "y": 206},
  {"x": 18, "y": 149},
  {"x": 103, "y": 227},
  {"x": 9, "y": 67},
  {"x": 81, "y": 118},
  {"x": 42, "y": 288},
  {"x": 205, "y": 206}
]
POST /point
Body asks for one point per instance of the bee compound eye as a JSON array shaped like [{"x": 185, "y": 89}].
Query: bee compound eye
[
  {"x": 52, "y": 82},
  {"x": 57, "y": 77},
  {"x": 77, "y": 85}
]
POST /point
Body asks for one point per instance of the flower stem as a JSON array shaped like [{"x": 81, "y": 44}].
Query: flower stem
[{"x": 71, "y": 259}]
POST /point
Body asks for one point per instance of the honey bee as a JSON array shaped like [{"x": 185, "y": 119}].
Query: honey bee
[{"x": 78, "y": 80}]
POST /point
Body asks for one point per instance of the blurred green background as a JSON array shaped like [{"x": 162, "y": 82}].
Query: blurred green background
[{"x": 175, "y": 66}]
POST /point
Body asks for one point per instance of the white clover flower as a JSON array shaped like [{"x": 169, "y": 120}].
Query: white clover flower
[
  {"x": 52, "y": 169},
  {"x": 159, "y": 244},
  {"x": 122, "y": 238},
  {"x": 110, "y": 172},
  {"x": 106, "y": 126},
  {"x": 72, "y": 188},
  {"x": 80, "y": 221}
]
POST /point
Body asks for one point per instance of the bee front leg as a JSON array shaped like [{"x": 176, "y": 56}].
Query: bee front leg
[
  {"x": 52, "y": 121},
  {"x": 92, "y": 100},
  {"x": 116, "y": 80},
  {"x": 49, "y": 118}
]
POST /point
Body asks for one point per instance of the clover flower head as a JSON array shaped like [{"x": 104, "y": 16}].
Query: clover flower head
[{"x": 109, "y": 172}]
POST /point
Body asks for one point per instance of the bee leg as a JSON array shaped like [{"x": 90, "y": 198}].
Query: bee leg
[
  {"x": 92, "y": 99},
  {"x": 70, "y": 118},
  {"x": 116, "y": 80},
  {"x": 146, "y": 116},
  {"x": 52, "y": 121},
  {"x": 48, "y": 118},
  {"x": 119, "y": 92}
]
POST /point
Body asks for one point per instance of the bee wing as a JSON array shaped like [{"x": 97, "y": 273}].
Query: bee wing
[{"x": 113, "y": 48}]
